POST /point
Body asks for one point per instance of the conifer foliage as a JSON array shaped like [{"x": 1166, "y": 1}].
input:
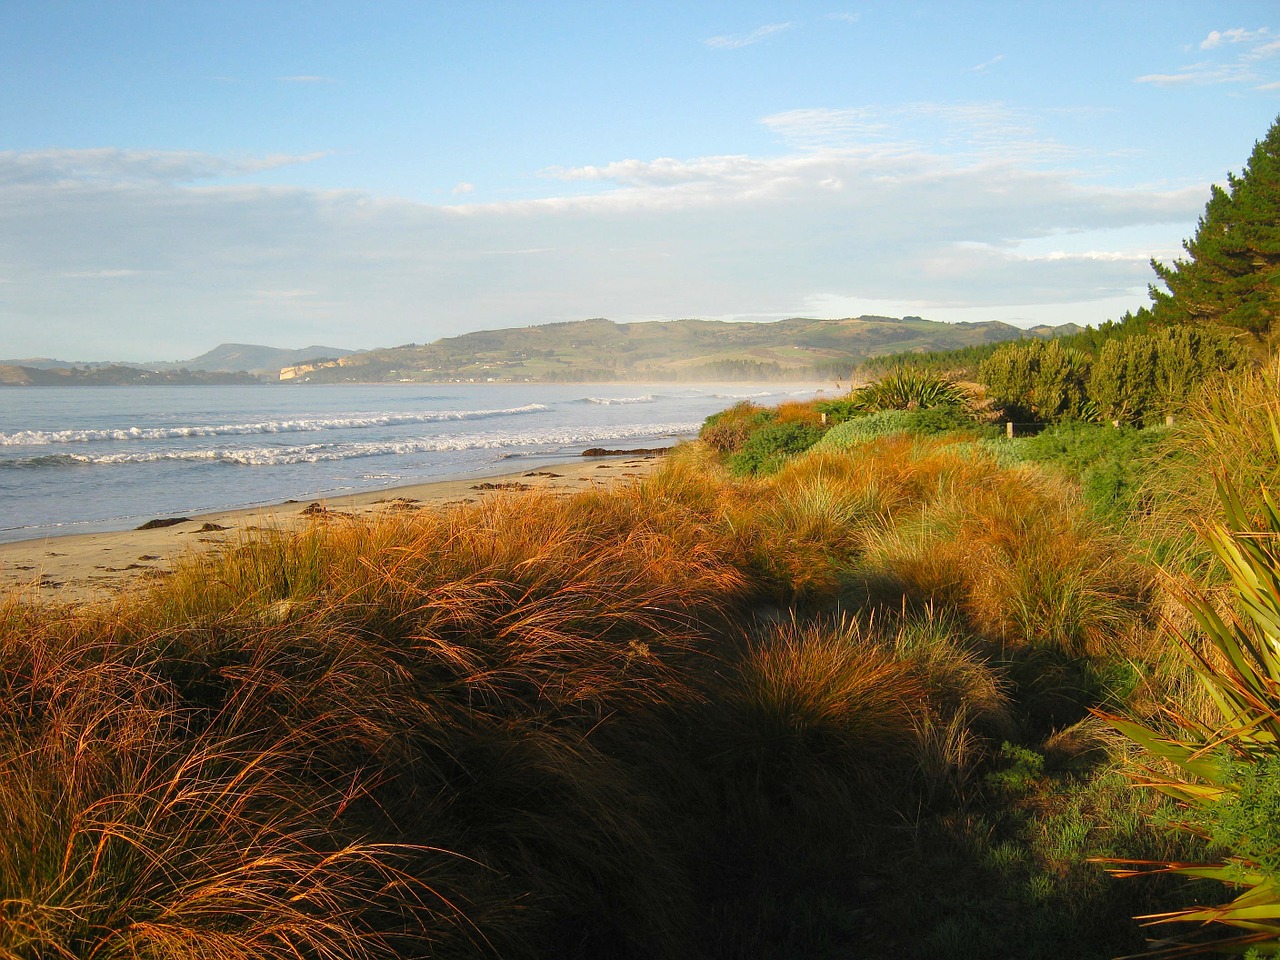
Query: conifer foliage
[{"x": 1232, "y": 272}]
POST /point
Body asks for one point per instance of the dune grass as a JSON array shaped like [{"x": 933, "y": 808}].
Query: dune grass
[{"x": 695, "y": 716}]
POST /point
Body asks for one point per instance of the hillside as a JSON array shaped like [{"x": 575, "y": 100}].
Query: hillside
[
  {"x": 113, "y": 375},
  {"x": 230, "y": 357},
  {"x": 599, "y": 349}
]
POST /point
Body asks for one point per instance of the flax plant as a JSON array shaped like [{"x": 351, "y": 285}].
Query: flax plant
[{"x": 1226, "y": 771}]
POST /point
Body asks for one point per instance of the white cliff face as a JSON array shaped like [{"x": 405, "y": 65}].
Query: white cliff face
[{"x": 292, "y": 373}]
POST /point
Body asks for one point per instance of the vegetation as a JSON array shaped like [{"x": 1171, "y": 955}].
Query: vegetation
[
  {"x": 681, "y": 350},
  {"x": 1231, "y": 276},
  {"x": 1039, "y": 379},
  {"x": 687, "y": 718},
  {"x": 1228, "y": 766},
  {"x": 857, "y": 677}
]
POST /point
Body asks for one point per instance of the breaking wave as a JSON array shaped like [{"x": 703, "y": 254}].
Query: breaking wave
[
  {"x": 619, "y": 401},
  {"x": 552, "y": 441},
  {"x": 301, "y": 425}
]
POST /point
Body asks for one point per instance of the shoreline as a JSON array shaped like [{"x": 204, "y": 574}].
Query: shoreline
[{"x": 80, "y": 568}]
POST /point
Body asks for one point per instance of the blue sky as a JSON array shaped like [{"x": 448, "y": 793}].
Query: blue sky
[{"x": 174, "y": 175}]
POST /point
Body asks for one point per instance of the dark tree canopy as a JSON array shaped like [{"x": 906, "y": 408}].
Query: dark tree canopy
[{"x": 1231, "y": 275}]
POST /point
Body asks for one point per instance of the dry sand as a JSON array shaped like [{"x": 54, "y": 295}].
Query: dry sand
[{"x": 88, "y": 567}]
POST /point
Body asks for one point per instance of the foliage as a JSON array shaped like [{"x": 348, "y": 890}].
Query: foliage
[
  {"x": 1141, "y": 379},
  {"x": 907, "y": 389},
  {"x": 1231, "y": 275},
  {"x": 929, "y": 422},
  {"x": 1042, "y": 378},
  {"x": 1111, "y": 464},
  {"x": 767, "y": 448},
  {"x": 1226, "y": 422},
  {"x": 1228, "y": 768},
  {"x": 694, "y": 717},
  {"x": 838, "y": 411},
  {"x": 727, "y": 431},
  {"x": 860, "y": 429},
  {"x": 964, "y": 362}
]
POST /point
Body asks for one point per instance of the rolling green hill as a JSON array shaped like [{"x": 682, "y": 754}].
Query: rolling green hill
[{"x": 598, "y": 349}]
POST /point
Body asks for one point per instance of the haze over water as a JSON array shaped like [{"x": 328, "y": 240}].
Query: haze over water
[{"x": 77, "y": 459}]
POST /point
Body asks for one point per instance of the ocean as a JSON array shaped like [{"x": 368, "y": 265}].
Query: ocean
[{"x": 81, "y": 459}]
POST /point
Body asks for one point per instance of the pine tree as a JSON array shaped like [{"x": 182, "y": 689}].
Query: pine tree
[{"x": 1232, "y": 274}]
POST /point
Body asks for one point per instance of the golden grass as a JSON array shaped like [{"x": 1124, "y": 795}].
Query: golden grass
[{"x": 270, "y": 751}]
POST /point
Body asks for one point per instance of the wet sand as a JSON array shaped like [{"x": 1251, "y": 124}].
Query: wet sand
[{"x": 89, "y": 567}]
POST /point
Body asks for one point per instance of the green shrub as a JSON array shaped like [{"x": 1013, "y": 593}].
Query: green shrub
[
  {"x": 769, "y": 447},
  {"x": 727, "y": 431},
  {"x": 1039, "y": 378},
  {"x": 907, "y": 389},
  {"x": 859, "y": 430},
  {"x": 945, "y": 418},
  {"x": 1142, "y": 379},
  {"x": 838, "y": 411},
  {"x": 1110, "y": 464}
]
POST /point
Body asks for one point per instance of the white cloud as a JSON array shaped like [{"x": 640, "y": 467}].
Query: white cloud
[
  {"x": 734, "y": 42},
  {"x": 710, "y": 236},
  {"x": 463, "y": 187},
  {"x": 846, "y": 17},
  {"x": 1200, "y": 74},
  {"x": 973, "y": 129},
  {"x": 1217, "y": 38},
  {"x": 113, "y": 165},
  {"x": 97, "y": 274},
  {"x": 1244, "y": 62},
  {"x": 987, "y": 64}
]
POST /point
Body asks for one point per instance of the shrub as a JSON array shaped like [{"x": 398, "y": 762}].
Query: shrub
[
  {"x": 727, "y": 431},
  {"x": 907, "y": 388},
  {"x": 933, "y": 421},
  {"x": 1040, "y": 377},
  {"x": 1111, "y": 465},
  {"x": 838, "y": 411},
  {"x": 1141, "y": 379},
  {"x": 766, "y": 449},
  {"x": 861, "y": 429}
]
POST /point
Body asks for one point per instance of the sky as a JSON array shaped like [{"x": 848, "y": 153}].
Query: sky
[{"x": 174, "y": 175}]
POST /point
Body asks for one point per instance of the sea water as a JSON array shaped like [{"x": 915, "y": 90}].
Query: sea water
[{"x": 79, "y": 459}]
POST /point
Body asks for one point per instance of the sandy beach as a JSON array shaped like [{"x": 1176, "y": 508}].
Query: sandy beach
[{"x": 84, "y": 568}]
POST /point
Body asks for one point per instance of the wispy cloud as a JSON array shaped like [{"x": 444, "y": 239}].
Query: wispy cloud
[
  {"x": 97, "y": 274},
  {"x": 1200, "y": 74},
  {"x": 973, "y": 129},
  {"x": 1235, "y": 56},
  {"x": 1217, "y": 38},
  {"x": 462, "y": 188},
  {"x": 735, "y": 41},
  {"x": 988, "y": 64},
  {"x": 629, "y": 243},
  {"x": 112, "y": 165},
  {"x": 846, "y": 17}
]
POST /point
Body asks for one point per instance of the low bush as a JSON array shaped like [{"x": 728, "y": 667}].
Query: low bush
[
  {"x": 769, "y": 447},
  {"x": 1039, "y": 378},
  {"x": 908, "y": 388},
  {"x": 1110, "y": 464},
  {"x": 727, "y": 431}
]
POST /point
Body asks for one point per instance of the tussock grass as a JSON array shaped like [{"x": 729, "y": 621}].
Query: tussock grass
[
  {"x": 1226, "y": 425},
  {"x": 688, "y": 717}
]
